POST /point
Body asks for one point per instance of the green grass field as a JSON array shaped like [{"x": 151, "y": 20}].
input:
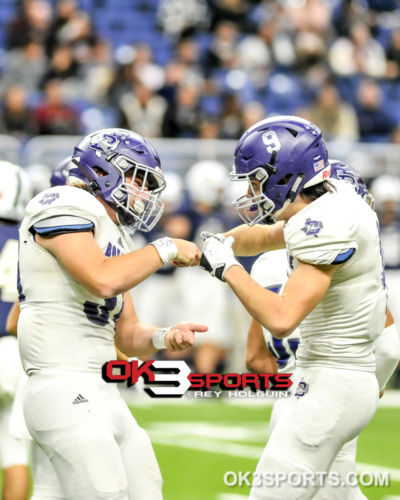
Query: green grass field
[{"x": 196, "y": 444}]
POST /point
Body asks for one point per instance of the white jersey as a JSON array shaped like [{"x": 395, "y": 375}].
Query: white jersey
[
  {"x": 270, "y": 271},
  {"x": 339, "y": 228},
  {"x": 63, "y": 326}
]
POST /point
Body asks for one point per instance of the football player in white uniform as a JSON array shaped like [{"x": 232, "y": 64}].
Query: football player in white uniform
[
  {"x": 77, "y": 265},
  {"x": 336, "y": 291},
  {"x": 266, "y": 354},
  {"x": 15, "y": 192}
]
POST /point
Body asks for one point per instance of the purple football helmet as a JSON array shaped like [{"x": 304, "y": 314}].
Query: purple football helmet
[
  {"x": 105, "y": 157},
  {"x": 344, "y": 172},
  {"x": 285, "y": 154},
  {"x": 63, "y": 170}
]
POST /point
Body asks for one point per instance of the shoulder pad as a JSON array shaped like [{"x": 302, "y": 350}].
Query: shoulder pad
[
  {"x": 64, "y": 201},
  {"x": 62, "y": 224}
]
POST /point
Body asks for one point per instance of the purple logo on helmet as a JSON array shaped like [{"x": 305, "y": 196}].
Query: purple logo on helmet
[{"x": 104, "y": 143}]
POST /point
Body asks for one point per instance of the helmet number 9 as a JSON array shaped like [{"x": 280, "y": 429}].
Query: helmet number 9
[{"x": 270, "y": 139}]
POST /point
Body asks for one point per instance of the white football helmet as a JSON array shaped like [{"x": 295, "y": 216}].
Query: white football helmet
[
  {"x": 15, "y": 191},
  {"x": 206, "y": 182},
  {"x": 172, "y": 196},
  {"x": 386, "y": 188}
]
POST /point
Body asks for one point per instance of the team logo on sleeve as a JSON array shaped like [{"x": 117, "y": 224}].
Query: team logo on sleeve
[
  {"x": 49, "y": 198},
  {"x": 302, "y": 389},
  {"x": 312, "y": 227}
]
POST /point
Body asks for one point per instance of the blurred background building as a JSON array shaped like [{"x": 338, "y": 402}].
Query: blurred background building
[{"x": 192, "y": 75}]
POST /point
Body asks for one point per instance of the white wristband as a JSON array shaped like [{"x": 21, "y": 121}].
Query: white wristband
[
  {"x": 166, "y": 248},
  {"x": 159, "y": 337}
]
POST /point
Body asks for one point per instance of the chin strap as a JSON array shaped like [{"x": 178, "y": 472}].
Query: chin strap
[{"x": 271, "y": 219}]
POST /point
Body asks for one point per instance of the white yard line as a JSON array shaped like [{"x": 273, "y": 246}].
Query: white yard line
[
  {"x": 244, "y": 451},
  {"x": 215, "y": 446},
  {"x": 234, "y": 496},
  {"x": 391, "y": 399},
  {"x": 394, "y": 473}
]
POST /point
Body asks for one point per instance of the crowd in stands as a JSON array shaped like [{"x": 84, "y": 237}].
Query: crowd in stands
[{"x": 200, "y": 68}]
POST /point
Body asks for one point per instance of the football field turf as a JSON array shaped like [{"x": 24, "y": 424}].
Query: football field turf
[{"x": 197, "y": 442}]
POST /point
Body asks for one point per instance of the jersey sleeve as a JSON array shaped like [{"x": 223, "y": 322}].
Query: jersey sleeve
[
  {"x": 321, "y": 238},
  {"x": 63, "y": 209}
]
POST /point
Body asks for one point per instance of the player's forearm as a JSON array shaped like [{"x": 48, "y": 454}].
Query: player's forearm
[
  {"x": 259, "y": 358},
  {"x": 256, "y": 239},
  {"x": 120, "y": 274},
  {"x": 264, "y": 306},
  {"x": 262, "y": 365},
  {"x": 136, "y": 340},
  {"x": 12, "y": 319}
]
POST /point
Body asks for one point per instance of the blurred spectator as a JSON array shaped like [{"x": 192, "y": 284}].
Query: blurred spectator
[
  {"x": 310, "y": 49},
  {"x": 62, "y": 65},
  {"x": 312, "y": 15},
  {"x": 78, "y": 33},
  {"x": 386, "y": 191},
  {"x": 143, "y": 111},
  {"x": 177, "y": 17},
  {"x": 179, "y": 72},
  {"x": 234, "y": 11},
  {"x": 396, "y": 135},
  {"x": 123, "y": 77},
  {"x": 267, "y": 48},
  {"x": 374, "y": 123},
  {"x": 222, "y": 50},
  {"x": 64, "y": 13},
  {"x": 358, "y": 54},
  {"x": 31, "y": 24},
  {"x": 231, "y": 125},
  {"x": 98, "y": 73},
  {"x": 53, "y": 115},
  {"x": 25, "y": 66},
  {"x": 16, "y": 117},
  {"x": 209, "y": 129},
  {"x": 144, "y": 70},
  {"x": 337, "y": 119},
  {"x": 183, "y": 115},
  {"x": 393, "y": 55},
  {"x": 252, "y": 113},
  {"x": 188, "y": 54}
]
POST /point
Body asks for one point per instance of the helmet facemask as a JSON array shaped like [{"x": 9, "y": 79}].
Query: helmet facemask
[
  {"x": 246, "y": 206},
  {"x": 137, "y": 203}
]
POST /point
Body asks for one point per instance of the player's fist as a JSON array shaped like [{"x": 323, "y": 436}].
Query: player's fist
[
  {"x": 182, "y": 335},
  {"x": 188, "y": 254},
  {"x": 218, "y": 256}
]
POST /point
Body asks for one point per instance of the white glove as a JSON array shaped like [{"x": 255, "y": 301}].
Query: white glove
[
  {"x": 218, "y": 257},
  {"x": 204, "y": 235}
]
